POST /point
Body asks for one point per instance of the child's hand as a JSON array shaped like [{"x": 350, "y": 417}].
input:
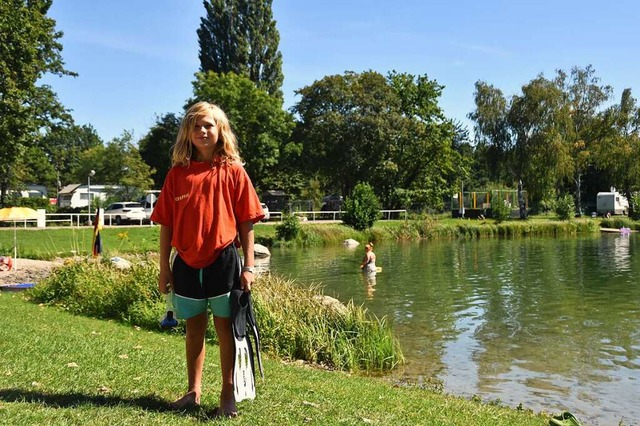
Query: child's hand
[
  {"x": 165, "y": 281},
  {"x": 246, "y": 280}
]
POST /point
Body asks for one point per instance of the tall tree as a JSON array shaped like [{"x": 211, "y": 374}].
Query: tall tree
[
  {"x": 493, "y": 137},
  {"x": 542, "y": 136},
  {"x": 585, "y": 96},
  {"x": 240, "y": 36},
  {"x": 29, "y": 49},
  {"x": 618, "y": 149},
  {"x": 538, "y": 118}
]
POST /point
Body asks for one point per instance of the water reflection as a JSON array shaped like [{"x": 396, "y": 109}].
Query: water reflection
[
  {"x": 369, "y": 279},
  {"x": 549, "y": 323}
]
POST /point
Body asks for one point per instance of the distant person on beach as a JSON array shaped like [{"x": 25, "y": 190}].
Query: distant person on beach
[
  {"x": 207, "y": 202},
  {"x": 368, "y": 264}
]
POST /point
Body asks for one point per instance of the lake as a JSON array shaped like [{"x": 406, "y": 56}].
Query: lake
[{"x": 549, "y": 323}]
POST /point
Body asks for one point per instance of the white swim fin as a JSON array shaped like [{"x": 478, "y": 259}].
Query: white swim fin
[{"x": 244, "y": 386}]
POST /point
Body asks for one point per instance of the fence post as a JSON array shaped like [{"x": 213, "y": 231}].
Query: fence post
[{"x": 41, "y": 218}]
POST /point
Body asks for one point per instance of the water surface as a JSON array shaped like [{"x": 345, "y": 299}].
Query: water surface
[{"x": 549, "y": 323}]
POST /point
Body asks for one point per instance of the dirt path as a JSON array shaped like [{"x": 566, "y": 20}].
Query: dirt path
[{"x": 28, "y": 271}]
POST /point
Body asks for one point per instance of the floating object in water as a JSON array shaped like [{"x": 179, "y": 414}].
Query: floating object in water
[
  {"x": 625, "y": 231},
  {"x": 350, "y": 242}
]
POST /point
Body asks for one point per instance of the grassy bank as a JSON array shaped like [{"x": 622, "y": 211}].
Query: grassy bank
[
  {"x": 294, "y": 322},
  {"x": 48, "y": 244},
  {"x": 58, "y": 368}
]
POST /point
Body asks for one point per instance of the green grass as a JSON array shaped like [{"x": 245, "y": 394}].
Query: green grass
[
  {"x": 49, "y": 244},
  {"x": 61, "y": 369}
]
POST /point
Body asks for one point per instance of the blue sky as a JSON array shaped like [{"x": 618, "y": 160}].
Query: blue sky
[{"x": 136, "y": 59}]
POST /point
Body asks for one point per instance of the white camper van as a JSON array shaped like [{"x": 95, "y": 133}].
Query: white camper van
[{"x": 611, "y": 202}]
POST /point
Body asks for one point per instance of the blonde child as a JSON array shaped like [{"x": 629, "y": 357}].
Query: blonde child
[{"x": 207, "y": 201}]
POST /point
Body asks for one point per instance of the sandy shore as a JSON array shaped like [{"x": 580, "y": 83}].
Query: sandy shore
[{"x": 28, "y": 271}]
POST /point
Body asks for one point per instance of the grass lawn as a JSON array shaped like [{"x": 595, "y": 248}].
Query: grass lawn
[
  {"x": 50, "y": 243},
  {"x": 62, "y": 369}
]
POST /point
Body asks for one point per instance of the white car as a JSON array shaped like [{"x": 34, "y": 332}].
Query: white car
[
  {"x": 265, "y": 209},
  {"x": 124, "y": 212}
]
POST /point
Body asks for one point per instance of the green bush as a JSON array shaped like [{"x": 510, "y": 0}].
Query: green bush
[
  {"x": 500, "y": 210},
  {"x": 565, "y": 207},
  {"x": 288, "y": 229},
  {"x": 362, "y": 208},
  {"x": 101, "y": 290}
]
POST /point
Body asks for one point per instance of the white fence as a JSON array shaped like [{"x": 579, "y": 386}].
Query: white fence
[
  {"x": 84, "y": 219},
  {"x": 337, "y": 215}
]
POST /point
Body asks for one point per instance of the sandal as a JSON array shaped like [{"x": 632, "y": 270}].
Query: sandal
[{"x": 564, "y": 419}]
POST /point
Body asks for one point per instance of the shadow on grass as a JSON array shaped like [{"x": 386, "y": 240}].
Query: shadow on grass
[{"x": 75, "y": 399}]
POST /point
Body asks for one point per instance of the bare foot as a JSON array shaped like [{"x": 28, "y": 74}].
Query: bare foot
[
  {"x": 189, "y": 400},
  {"x": 219, "y": 412},
  {"x": 227, "y": 405}
]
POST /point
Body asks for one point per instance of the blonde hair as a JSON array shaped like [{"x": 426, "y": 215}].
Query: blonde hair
[
  {"x": 226, "y": 148},
  {"x": 370, "y": 245}
]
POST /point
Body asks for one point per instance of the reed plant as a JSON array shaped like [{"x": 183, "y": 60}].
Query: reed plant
[
  {"x": 301, "y": 323},
  {"x": 620, "y": 222},
  {"x": 428, "y": 228}
]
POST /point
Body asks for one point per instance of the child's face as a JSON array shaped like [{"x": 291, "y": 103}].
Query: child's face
[{"x": 204, "y": 134}]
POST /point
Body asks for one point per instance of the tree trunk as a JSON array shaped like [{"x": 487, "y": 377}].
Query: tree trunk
[{"x": 579, "y": 194}]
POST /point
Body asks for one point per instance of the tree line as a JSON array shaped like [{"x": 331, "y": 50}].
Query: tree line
[{"x": 559, "y": 136}]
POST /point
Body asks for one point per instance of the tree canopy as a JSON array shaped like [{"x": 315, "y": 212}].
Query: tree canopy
[
  {"x": 546, "y": 136},
  {"x": 29, "y": 49},
  {"x": 118, "y": 163},
  {"x": 388, "y": 132}
]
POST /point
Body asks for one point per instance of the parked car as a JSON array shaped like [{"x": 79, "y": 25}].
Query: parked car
[
  {"x": 332, "y": 202},
  {"x": 124, "y": 212},
  {"x": 265, "y": 209}
]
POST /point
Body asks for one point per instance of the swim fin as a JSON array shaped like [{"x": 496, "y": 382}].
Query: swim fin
[
  {"x": 244, "y": 369},
  {"x": 251, "y": 320},
  {"x": 244, "y": 386}
]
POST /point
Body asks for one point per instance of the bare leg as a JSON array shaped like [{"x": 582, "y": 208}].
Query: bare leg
[
  {"x": 227, "y": 355},
  {"x": 195, "y": 349}
]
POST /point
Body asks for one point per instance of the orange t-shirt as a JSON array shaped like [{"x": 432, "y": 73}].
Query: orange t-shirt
[{"x": 204, "y": 205}]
